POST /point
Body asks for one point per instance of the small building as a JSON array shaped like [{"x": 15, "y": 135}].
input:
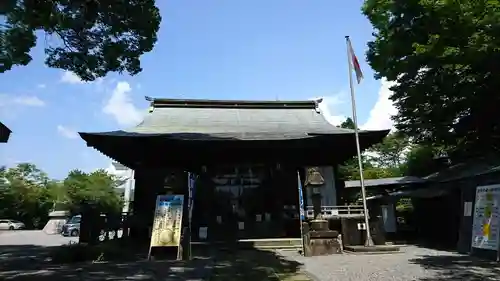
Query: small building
[
  {"x": 246, "y": 154},
  {"x": 459, "y": 183},
  {"x": 443, "y": 203},
  {"x": 125, "y": 177},
  {"x": 4, "y": 133},
  {"x": 382, "y": 197}
]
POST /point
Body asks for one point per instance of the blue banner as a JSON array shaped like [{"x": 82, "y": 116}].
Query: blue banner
[
  {"x": 170, "y": 200},
  {"x": 191, "y": 191},
  {"x": 301, "y": 199}
]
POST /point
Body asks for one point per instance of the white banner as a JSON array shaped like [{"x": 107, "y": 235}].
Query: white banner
[{"x": 486, "y": 217}]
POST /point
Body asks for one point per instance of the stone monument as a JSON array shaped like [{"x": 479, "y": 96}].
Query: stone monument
[{"x": 323, "y": 241}]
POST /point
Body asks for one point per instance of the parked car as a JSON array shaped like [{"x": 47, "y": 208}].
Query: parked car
[
  {"x": 72, "y": 226},
  {"x": 11, "y": 224}
]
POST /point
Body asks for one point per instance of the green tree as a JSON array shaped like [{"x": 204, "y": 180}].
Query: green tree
[
  {"x": 91, "y": 37},
  {"x": 24, "y": 194},
  {"x": 382, "y": 161},
  {"x": 98, "y": 188},
  {"x": 443, "y": 56},
  {"x": 421, "y": 160},
  {"x": 391, "y": 152},
  {"x": 348, "y": 124}
]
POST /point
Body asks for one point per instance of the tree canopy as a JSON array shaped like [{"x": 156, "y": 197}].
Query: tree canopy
[
  {"x": 91, "y": 37},
  {"x": 27, "y": 194},
  {"x": 386, "y": 159},
  {"x": 443, "y": 56}
]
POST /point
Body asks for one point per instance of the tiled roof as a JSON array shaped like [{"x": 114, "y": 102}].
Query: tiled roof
[{"x": 239, "y": 120}]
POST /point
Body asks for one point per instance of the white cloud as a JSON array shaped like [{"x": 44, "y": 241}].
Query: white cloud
[
  {"x": 120, "y": 106},
  {"x": 41, "y": 86},
  {"x": 328, "y": 106},
  {"x": 28, "y": 101},
  {"x": 67, "y": 132},
  {"x": 382, "y": 111},
  {"x": 10, "y": 100},
  {"x": 70, "y": 78},
  {"x": 379, "y": 117}
]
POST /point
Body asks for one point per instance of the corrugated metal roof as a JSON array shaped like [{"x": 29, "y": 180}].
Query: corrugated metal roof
[
  {"x": 470, "y": 168},
  {"x": 240, "y": 120},
  {"x": 418, "y": 193},
  {"x": 385, "y": 181}
]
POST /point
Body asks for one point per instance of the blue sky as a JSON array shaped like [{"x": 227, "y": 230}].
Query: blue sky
[{"x": 260, "y": 49}]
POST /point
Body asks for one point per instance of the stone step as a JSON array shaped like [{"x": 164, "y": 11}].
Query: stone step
[
  {"x": 377, "y": 249},
  {"x": 278, "y": 243}
]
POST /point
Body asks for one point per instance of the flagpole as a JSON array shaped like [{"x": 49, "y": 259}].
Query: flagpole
[{"x": 369, "y": 240}]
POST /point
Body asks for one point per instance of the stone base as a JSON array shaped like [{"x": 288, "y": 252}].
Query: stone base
[
  {"x": 377, "y": 249},
  {"x": 323, "y": 247},
  {"x": 324, "y": 242},
  {"x": 324, "y": 234},
  {"x": 319, "y": 225}
]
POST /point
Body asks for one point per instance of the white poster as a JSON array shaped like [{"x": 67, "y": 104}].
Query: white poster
[
  {"x": 258, "y": 218},
  {"x": 241, "y": 225},
  {"x": 361, "y": 226},
  {"x": 467, "y": 209},
  {"x": 486, "y": 216},
  {"x": 203, "y": 232}
]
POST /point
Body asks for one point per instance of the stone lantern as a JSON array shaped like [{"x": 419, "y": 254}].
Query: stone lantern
[
  {"x": 314, "y": 183},
  {"x": 322, "y": 240}
]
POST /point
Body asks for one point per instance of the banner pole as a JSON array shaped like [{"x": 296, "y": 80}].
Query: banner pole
[
  {"x": 369, "y": 240},
  {"x": 301, "y": 212}
]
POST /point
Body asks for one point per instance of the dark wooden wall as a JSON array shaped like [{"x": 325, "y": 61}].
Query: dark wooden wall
[{"x": 437, "y": 219}]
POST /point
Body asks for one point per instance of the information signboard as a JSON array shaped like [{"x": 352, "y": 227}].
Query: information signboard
[
  {"x": 167, "y": 223},
  {"x": 486, "y": 218}
]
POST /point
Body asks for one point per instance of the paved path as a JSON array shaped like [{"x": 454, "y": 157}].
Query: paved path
[
  {"x": 33, "y": 237},
  {"x": 412, "y": 264}
]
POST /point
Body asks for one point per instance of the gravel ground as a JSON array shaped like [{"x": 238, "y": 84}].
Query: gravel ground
[{"x": 413, "y": 263}]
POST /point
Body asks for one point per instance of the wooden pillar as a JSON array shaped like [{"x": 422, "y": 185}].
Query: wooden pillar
[
  {"x": 148, "y": 183},
  {"x": 339, "y": 185}
]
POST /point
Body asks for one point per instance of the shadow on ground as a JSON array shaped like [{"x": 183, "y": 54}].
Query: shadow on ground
[
  {"x": 30, "y": 262},
  {"x": 255, "y": 265},
  {"x": 453, "y": 267}
]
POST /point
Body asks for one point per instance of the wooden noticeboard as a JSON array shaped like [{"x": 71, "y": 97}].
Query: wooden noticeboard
[{"x": 167, "y": 222}]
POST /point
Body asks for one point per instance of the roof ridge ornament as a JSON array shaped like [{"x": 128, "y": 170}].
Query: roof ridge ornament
[
  {"x": 316, "y": 105},
  {"x": 151, "y": 103}
]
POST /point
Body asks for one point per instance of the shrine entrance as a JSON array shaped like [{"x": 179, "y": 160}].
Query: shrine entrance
[{"x": 246, "y": 202}]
